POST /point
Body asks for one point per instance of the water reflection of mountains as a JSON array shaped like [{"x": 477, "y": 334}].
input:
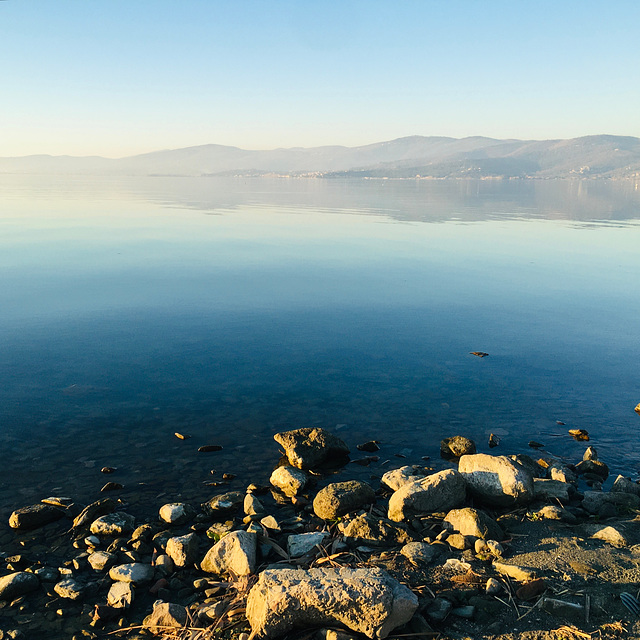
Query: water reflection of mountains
[{"x": 580, "y": 201}]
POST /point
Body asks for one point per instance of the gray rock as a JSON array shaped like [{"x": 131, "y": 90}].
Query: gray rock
[
  {"x": 17, "y": 584},
  {"x": 176, "y": 512},
  {"x": 135, "y": 572},
  {"x": 595, "y": 501},
  {"x": 339, "y": 498},
  {"x": 113, "y": 524},
  {"x": 625, "y": 485},
  {"x": 562, "y": 473},
  {"x": 546, "y": 490},
  {"x": 47, "y": 574},
  {"x": 496, "y": 480},
  {"x": 456, "y": 446},
  {"x": 593, "y": 466},
  {"x": 419, "y": 552},
  {"x": 439, "y": 609},
  {"x": 224, "y": 503},
  {"x": 164, "y": 564},
  {"x": 70, "y": 589},
  {"x": 120, "y": 595},
  {"x": 289, "y": 480},
  {"x": 309, "y": 447},
  {"x": 396, "y": 478},
  {"x": 367, "y": 601},
  {"x": 591, "y": 453},
  {"x": 34, "y": 516},
  {"x": 472, "y": 522},
  {"x": 235, "y": 552},
  {"x": 302, "y": 543},
  {"x": 101, "y": 560},
  {"x": 529, "y": 464},
  {"x": 165, "y": 614},
  {"x": 374, "y": 531},
  {"x": 183, "y": 550},
  {"x": 438, "y": 492}
]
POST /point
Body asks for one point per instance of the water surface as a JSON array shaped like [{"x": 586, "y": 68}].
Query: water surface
[{"x": 230, "y": 309}]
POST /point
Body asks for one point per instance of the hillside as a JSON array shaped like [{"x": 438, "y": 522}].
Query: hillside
[{"x": 601, "y": 156}]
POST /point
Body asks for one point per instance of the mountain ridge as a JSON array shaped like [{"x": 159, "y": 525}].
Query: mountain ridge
[{"x": 594, "y": 156}]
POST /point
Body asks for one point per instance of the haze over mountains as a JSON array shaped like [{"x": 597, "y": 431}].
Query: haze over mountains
[{"x": 600, "y": 156}]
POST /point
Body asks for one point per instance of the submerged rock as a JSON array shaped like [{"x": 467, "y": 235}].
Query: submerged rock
[
  {"x": 309, "y": 447},
  {"x": 456, "y": 447},
  {"x": 367, "y": 601},
  {"x": 34, "y": 516}
]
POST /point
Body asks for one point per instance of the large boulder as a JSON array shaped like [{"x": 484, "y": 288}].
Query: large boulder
[
  {"x": 472, "y": 522},
  {"x": 339, "y": 498},
  {"x": 34, "y": 516},
  {"x": 438, "y": 492},
  {"x": 367, "y": 601},
  {"x": 235, "y": 552},
  {"x": 309, "y": 447},
  {"x": 496, "y": 480}
]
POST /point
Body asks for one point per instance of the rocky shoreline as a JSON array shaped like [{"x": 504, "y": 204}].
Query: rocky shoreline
[{"x": 489, "y": 546}]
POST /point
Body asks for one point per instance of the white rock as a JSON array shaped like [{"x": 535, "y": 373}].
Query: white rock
[
  {"x": 113, "y": 524},
  {"x": 302, "y": 543},
  {"x": 135, "y": 572},
  {"x": 175, "y": 512},
  {"x": 289, "y": 480},
  {"x": 183, "y": 550},
  {"x": 120, "y": 595},
  {"x": 396, "y": 478}
]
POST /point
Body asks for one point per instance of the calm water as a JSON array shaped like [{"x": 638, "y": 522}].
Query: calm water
[{"x": 232, "y": 309}]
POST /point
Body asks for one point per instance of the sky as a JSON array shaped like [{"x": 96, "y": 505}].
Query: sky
[{"x": 121, "y": 77}]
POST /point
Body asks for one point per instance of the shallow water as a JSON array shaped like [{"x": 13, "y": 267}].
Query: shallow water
[{"x": 232, "y": 309}]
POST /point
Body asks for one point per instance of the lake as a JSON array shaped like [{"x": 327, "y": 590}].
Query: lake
[{"x": 230, "y": 309}]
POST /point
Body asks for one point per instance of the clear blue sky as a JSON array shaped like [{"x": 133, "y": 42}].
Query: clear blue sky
[{"x": 118, "y": 77}]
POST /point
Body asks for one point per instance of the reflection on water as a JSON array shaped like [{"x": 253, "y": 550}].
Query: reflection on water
[{"x": 128, "y": 315}]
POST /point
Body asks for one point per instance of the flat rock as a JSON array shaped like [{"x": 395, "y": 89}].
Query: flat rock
[
  {"x": 307, "y": 448},
  {"x": 34, "y": 516},
  {"x": 522, "y": 574},
  {"x": 113, "y": 524},
  {"x": 366, "y": 601},
  {"x": 396, "y": 478},
  {"x": 338, "y": 498},
  {"x": 419, "y": 552},
  {"x": 302, "y": 543},
  {"x": 183, "y": 550},
  {"x": 224, "y": 503},
  {"x": 101, "y": 560},
  {"x": 17, "y": 584},
  {"x": 176, "y": 512},
  {"x": 70, "y": 589},
  {"x": 496, "y": 480},
  {"x": 289, "y": 480},
  {"x": 135, "y": 572},
  {"x": 440, "y": 491},
  {"x": 473, "y": 522},
  {"x": 235, "y": 552},
  {"x": 370, "y": 530},
  {"x": 165, "y": 614}
]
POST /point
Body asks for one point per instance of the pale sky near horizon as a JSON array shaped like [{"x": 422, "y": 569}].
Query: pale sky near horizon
[{"x": 120, "y": 77}]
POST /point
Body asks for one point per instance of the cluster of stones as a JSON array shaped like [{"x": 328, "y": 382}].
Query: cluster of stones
[{"x": 293, "y": 547}]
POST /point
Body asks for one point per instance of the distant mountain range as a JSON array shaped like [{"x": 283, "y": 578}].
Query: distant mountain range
[{"x": 601, "y": 156}]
